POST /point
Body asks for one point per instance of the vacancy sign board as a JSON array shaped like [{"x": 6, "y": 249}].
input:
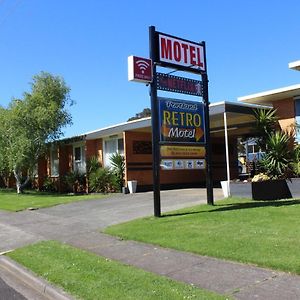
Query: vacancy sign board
[
  {"x": 181, "y": 121},
  {"x": 176, "y": 52},
  {"x": 173, "y": 151},
  {"x": 176, "y": 84},
  {"x": 139, "y": 69}
]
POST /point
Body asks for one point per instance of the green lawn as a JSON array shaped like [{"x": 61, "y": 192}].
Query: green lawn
[
  {"x": 265, "y": 233},
  {"x": 88, "y": 276},
  {"x": 11, "y": 201}
]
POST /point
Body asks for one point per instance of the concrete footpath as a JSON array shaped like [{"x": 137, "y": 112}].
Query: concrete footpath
[{"x": 78, "y": 224}]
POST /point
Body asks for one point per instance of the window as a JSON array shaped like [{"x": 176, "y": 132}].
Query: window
[
  {"x": 297, "y": 117},
  {"x": 79, "y": 158},
  {"x": 111, "y": 146},
  {"x": 54, "y": 162},
  {"x": 121, "y": 146}
]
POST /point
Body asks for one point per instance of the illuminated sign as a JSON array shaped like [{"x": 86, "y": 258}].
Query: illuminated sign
[
  {"x": 179, "y": 52},
  {"x": 181, "y": 121},
  {"x": 182, "y": 151},
  {"x": 139, "y": 69},
  {"x": 170, "y": 83}
]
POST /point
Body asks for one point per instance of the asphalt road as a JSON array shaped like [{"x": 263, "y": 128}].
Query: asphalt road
[
  {"x": 63, "y": 222},
  {"x": 8, "y": 293}
]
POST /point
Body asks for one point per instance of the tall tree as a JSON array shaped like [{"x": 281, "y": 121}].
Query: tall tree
[
  {"x": 29, "y": 124},
  {"x": 143, "y": 114}
]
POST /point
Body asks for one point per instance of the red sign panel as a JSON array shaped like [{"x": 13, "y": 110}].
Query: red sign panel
[
  {"x": 178, "y": 52},
  {"x": 176, "y": 84},
  {"x": 139, "y": 69}
]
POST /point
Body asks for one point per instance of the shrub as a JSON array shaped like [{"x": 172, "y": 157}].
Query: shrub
[
  {"x": 102, "y": 181},
  {"x": 277, "y": 162},
  {"x": 49, "y": 185},
  {"x": 118, "y": 168},
  {"x": 92, "y": 165},
  {"x": 75, "y": 181},
  {"x": 278, "y": 158},
  {"x": 296, "y": 163}
]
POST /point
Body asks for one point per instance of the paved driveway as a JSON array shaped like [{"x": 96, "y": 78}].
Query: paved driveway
[{"x": 63, "y": 222}]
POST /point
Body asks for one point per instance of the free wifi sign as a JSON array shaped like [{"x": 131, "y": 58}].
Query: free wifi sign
[{"x": 139, "y": 69}]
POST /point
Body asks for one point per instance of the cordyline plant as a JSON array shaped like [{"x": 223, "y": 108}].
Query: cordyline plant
[
  {"x": 278, "y": 159},
  {"x": 118, "y": 168}
]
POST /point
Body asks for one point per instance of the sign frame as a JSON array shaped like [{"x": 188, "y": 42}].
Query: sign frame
[
  {"x": 154, "y": 55},
  {"x": 200, "y": 112},
  {"x": 137, "y": 66},
  {"x": 191, "y": 88},
  {"x": 156, "y": 58}
]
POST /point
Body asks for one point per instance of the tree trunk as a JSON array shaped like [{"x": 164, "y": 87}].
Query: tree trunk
[{"x": 20, "y": 186}]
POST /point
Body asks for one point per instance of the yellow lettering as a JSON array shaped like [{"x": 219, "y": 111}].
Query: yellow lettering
[
  {"x": 182, "y": 118},
  {"x": 166, "y": 118},
  {"x": 189, "y": 119},
  {"x": 197, "y": 120},
  {"x": 174, "y": 118}
]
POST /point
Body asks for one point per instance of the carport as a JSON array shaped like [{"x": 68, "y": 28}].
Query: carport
[{"x": 230, "y": 119}]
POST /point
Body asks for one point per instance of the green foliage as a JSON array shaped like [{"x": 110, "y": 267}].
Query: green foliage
[
  {"x": 262, "y": 233},
  {"x": 92, "y": 165},
  {"x": 29, "y": 123},
  {"x": 118, "y": 168},
  {"x": 89, "y": 276},
  {"x": 11, "y": 201},
  {"x": 277, "y": 162},
  {"x": 75, "y": 181},
  {"x": 49, "y": 185},
  {"x": 102, "y": 181},
  {"x": 296, "y": 163},
  {"x": 266, "y": 122},
  {"x": 143, "y": 114}
]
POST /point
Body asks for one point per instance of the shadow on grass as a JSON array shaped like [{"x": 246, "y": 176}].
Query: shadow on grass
[
  {"x": 256, "y": 204},
  {"x": 182, "y": 214},
  {"x": 237, "y": 206}
]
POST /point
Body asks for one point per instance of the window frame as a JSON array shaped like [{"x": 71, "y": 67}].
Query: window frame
[
  {"x": 79, "y": 165},
  {"x": 54, "y": 172}
]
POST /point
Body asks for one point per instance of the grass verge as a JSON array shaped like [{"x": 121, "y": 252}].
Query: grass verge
[
  {"x": 88, "y": 276},
  {"x": 265, "y": 233},
  {"x": 11, "y": 201}
]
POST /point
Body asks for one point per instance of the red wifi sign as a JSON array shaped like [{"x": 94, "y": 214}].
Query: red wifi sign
[{"x": 139, "y": 69}]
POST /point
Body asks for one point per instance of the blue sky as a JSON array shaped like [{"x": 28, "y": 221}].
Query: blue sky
[{"x": 249, "y": 45}]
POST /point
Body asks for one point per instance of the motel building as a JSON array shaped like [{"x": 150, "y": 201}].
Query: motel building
[{"x": 228, "y": 122}]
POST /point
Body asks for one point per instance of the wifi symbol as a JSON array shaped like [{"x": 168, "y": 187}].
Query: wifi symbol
[{"x": 143, "y": 65}]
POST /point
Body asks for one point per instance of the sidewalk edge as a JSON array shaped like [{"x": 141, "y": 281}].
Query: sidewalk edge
[{"x": 39, "y": 284}]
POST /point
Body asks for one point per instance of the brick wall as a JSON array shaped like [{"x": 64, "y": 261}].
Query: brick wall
[
  {"x": 139, "y": 162},
  {"x": 94, "y": 148},
  {"x": 286, "y": 113}
]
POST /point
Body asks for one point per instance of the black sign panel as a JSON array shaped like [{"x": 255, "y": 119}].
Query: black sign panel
[{"x": 178, "y": 84}]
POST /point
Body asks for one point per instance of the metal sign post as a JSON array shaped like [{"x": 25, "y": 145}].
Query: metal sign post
[
  {"x": 155, "y": 127},
  {"x": 184, "y": 55},
  {"x": 209, "y": 180}
]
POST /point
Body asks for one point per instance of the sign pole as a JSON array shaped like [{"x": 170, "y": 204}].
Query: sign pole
[
  {"x": 155, "y": 127},
  {"x": 209, "y": 180}
]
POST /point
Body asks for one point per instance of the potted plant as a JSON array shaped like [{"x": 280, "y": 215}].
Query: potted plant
[
  {"x": 265, "y": 188},
  {"x": 276, "y": 164}
]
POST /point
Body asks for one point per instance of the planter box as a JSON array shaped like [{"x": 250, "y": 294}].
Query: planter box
[
  {"x": 270, "y": 190},
  {"x": 132, "y": 186}
]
